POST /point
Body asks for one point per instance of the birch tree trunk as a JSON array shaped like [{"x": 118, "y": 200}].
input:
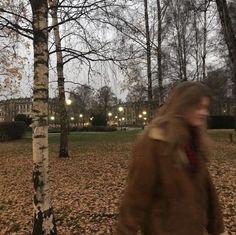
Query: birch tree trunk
[
  {"x": 43, "y": 221},
  {"x": 63, "y": 151},
  {"x": 230, "y": 39}
]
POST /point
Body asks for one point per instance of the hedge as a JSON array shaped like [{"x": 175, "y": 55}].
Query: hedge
[
  {"x": 98, "y": 129},
  {"x": 221, "y": 122},
  {"x": 11, "y": 130},
  {"x": 24, "y": 118},
  {"x": 86, "y": 129}
]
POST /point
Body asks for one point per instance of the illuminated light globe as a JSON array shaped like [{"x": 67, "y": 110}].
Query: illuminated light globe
[{"x": 68, "y": 101}]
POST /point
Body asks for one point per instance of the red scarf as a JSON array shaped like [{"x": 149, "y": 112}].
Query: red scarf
[{"x": 192, "y": 158}]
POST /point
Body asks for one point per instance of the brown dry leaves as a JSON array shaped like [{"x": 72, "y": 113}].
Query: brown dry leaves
[{"x": 87, "y": 187}]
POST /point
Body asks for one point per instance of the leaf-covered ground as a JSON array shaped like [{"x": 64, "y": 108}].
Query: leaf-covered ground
[{"x": 87, "y": 187}]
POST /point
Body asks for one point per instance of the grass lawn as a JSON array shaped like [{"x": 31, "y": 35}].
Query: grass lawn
[{"x": 87, "y": 187}]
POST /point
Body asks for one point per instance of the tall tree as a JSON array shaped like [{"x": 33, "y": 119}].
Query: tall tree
[
  {"x": 63, "y": 149},
  {"x": 148, "y": 50},
  {"x": 43, "y": 222},
  {"x": 159, "y": 52},
  {"x": 230, "y": 39},
  {"x": 204, "y": 53},
  {"x": 82, "y": 99},
  {"x": 105, "y": 99},
  {"x": 11, "y": 62},
  {"x": 218, "y": 82}
]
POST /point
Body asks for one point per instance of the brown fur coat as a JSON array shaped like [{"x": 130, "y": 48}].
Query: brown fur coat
[{"x": 162, "y": 197}]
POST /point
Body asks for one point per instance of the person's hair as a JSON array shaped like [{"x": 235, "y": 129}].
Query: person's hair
[{"x": 171, "y": 116}]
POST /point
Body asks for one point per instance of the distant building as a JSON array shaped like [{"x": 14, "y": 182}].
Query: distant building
[
  {"x": 132, "y": 113},
  {"x": 9, "y": 109}
]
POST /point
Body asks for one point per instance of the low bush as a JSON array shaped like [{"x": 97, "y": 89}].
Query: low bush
[
  {"x": 97, "y": 129},
  {"x": 11, "y": 130},
  {"x": 24, "y": 118},
  {"x": 54, "y": 130},
  {"x": 86, "y": 129},
  {"x": 221, "y": 122},
  {"x": 99, "y": 120},
  {"x": 89, "y": 129}
]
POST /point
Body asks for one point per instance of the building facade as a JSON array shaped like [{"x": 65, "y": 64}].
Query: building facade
[{"x": 9, "y": 109}]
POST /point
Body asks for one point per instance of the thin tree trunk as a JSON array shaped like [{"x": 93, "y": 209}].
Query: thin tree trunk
[
  {"x": 184, "y": 57},
  {"x": 148, "y": 48},
  {"x": 159, "y": 53},
  {"x": 179, "y": 52},
  {"x": 148, "y": 44},
  {"x": 43, "y": 221},
  {"x": 63, "y": 151},
  {"x": 230, "y": 39},
  {"x": 204, "y": 42},
  {"x": 197, "y": 44}
]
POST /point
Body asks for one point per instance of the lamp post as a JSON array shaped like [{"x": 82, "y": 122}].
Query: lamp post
[
  {"x": 122, "y": 121},
  {"x": 141, "y": 119},
  {"x": 72, "y": 121},
  {"x": 90, "y": 121},
  {"x": 145, "y": 117},
  {"x": 82, "y": 117},
  {"x": 109, "y": 118},
  {"x": 116, "y": 120},
  {"x": 68, "y": 103},
  {"x": 52, "y": 118},
  {"x": 120, "y": 109}
]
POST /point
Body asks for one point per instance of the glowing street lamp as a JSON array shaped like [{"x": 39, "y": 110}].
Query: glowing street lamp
[
  {"x": 140, "y": 115},
  {"x": 72, "y": 118},
  {"x": 81, "y": 115},
  {"x": 144, "y": 113},
  {"x": 120, "y": 109},
  {"x": 109, "y": 114},
  {"x": 68, "y": 101},
  {"x": 52, "y": 118}
]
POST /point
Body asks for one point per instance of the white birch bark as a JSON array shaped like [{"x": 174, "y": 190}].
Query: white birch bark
[{"x": 43, "y": 221}]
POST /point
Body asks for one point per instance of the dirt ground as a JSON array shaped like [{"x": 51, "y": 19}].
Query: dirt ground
[{"x": 87, "y": 187}]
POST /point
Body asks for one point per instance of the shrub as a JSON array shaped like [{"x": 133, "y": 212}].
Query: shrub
[
  {"x": 94, "y": 129},
  {"x": 86, "y": 129},
  {"x": 98, "y": 129},
  {"x": 99, "y": 120},
  {"x": 11, "y": 130},
  {"x": 221, "y": 122},
  {"x": 24, "y": 118},
  {"x": 54, "y": 130}
]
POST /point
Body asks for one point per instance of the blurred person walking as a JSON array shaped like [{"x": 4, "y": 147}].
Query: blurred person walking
[{"x": 169, "y": 189}]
